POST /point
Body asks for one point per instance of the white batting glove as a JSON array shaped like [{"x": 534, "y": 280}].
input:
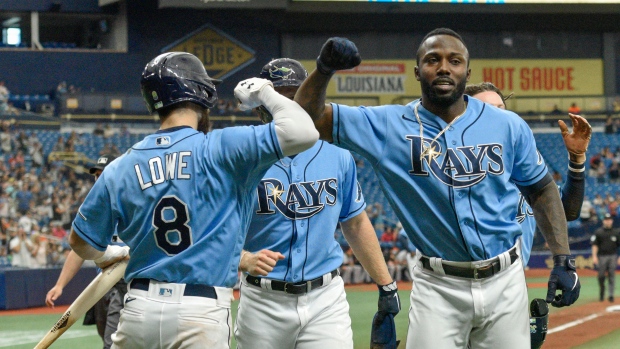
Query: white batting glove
[
  {"x": 112, "y": 254},
  {"x": 248, "y": 92}
]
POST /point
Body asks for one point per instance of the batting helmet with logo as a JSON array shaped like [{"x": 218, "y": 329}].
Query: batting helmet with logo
[
  {"x": 176, "y": 77},
  {"x": 284, "y": 72}
]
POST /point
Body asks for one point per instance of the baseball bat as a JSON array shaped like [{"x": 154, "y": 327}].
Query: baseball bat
[{"x": 91, "y": 294}]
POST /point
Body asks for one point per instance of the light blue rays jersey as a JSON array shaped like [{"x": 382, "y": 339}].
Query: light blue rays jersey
[
  {"x": 460, "y": 203},
  {"x": 182, "y": 201},
  {"x": 300, "y": 202}
]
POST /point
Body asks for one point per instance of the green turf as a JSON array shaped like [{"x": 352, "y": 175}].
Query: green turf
[{"x": 24, "y": 331}]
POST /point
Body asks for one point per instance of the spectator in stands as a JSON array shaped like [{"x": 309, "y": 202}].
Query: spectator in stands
[
  {"x": 556, "y": 110},
  {"x": 614, "y": 172},
  {"x": 36, "y": 153},
  {"x": 21, "y": 248},
  {"x": 28, "y": 223},
  {"x": 61, "y": 89},
  {"x": 574, "y": 109},
  {"x": 610, "y": 127},
  {"x": 6, "y": 139},
  {"x": 587, "y": 210},
  {"x": 24, "y": 199},
  {"x": 59, "y": 145},
  {"x": 4, "y": 97},
  {"x": 98, "y": 131},
  {"x": 39, "y": 251}
]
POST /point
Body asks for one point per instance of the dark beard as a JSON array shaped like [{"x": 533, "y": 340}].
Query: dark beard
[
  {"x": 446, "y": 100},
  {"x": 204, "y": 125}
]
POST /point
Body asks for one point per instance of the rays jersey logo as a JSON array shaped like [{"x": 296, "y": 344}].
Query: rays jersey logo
[
  {"x": 459, "y": 167},
  {"x": 301, "y": 200},
  {"x": 523, "y": 210},
  {"x": 281, "y": 73}
]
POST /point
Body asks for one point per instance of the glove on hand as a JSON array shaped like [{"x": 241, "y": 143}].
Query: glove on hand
[
  {"x": 389, "y": 301},
  {"x": 248, "y": 92},
  {"x": 563, "y": 277},
  {"x": 337, "y": 54}
]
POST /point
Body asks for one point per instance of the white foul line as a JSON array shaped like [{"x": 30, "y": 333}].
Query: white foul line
[{"x": 573, "y": 323}]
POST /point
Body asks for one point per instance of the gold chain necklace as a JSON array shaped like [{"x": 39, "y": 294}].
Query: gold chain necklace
[{"x": 429, "y": 151}]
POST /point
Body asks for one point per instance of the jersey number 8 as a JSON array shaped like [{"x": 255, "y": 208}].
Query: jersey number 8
[{"x": 166, "y": 225}]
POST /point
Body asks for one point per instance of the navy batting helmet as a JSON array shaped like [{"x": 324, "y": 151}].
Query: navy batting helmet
[
  {"x": 284, "y": 72},
  {"x": 176, "y": 77}
]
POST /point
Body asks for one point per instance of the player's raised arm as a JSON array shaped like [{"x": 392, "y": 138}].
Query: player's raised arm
[
  {"x": 336, "y": 54},
  {"x": 576, "y": 143},
  {"x": 294, "y": 128}
]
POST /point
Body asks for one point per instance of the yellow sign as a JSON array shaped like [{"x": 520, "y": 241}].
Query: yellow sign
[
  {"x": 391, "y": 81},
  {"x": 221, "y": 54},
  {"x": 541, "y": 77}
]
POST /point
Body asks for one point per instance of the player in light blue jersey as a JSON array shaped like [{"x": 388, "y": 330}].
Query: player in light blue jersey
[
  {"x": 181, "y": 200},
  {"x": 292, "y": 295},
  {"x": 572, "y": 192},
  {"x": 448, "y": 165}
]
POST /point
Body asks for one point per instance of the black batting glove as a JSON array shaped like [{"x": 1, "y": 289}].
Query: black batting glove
[
  {"x": 337, "y": 54},
  {"x": 563, "y": 277},
  {"x": 389, "y": 301}
]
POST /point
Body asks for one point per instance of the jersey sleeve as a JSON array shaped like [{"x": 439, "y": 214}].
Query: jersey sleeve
[
  {"x": 250, "y": 150},
  {"x": 529, "y": 166},
  {"x": 594, "y": 240},
  {"x": 353, "y": 199},
  {"x": 361, "y": 129},
  {"x": 95, "y": 222}
]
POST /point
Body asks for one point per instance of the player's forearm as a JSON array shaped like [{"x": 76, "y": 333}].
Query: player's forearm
[
  {"x": 311, "y": 94},
  {"x": 573, "y": 190},
  {"x": 294, "y": 128},
  {"x": 363, "y": 241},
  {"x": 73, "y": 263},
  {"x": 550, "y": 218},
  {"x": 82, "y": 248},
  {"x": 594, "y": 251}
]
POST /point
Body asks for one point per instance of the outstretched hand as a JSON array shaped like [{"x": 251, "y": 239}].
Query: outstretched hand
[
  {"x": 577, "y": 141},
  {"x": 259, "y": 263},
  {"x": 337, "y": 54}
]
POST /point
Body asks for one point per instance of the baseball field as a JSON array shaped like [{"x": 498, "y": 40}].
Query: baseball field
[{"x": 587, "y": 324}]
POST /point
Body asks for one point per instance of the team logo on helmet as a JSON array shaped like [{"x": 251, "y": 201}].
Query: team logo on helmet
[
  {"x": 154, "y": 94},
  {"x": 280, "y": 73}
]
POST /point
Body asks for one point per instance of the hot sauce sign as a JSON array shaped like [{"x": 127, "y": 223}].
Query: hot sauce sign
[{"x": 536, "y": 77}]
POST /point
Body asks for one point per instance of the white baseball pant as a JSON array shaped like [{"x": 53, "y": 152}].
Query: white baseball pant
[
  {"x": 167, "y": 319},
  {"x": 277, "y": 320},
  {"x": 450, "y": 312}
]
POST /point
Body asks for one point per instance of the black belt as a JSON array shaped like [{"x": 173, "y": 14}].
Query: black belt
[
  {"x": 472, "y": 273},
  {"x": 289, "y": 287},
  {"x": 191, "y": 290}
]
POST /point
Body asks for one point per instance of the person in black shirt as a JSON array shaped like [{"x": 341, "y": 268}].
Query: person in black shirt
[{"x": 605, "y": 242}]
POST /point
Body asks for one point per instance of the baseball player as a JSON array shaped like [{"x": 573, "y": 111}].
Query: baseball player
[
  {"x": 301, "y": 303},
  {"x": 106, "y": 312},
  {"x": 447, "y": 164},
  {"x": 572, "y": 193},
  {"x": 182, "y": 201},
  {"x": 576, "y": 144}
]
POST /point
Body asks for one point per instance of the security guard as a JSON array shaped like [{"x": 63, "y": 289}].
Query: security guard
[{"x": 605, "y": 243}]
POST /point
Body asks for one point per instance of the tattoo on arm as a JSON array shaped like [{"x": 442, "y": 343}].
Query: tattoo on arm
[{"x": 550, "y": 217}]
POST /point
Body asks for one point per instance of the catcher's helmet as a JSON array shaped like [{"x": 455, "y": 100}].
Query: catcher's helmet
[
  {"x": 284, "y": 72},
  {"x": 176, "y": 77}
]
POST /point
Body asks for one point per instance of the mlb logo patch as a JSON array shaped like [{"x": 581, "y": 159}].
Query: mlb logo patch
[
  {"x": 102, "y": 160},
  {"x": 162, "y": 140},
  {"x": 165, "y": 292}
]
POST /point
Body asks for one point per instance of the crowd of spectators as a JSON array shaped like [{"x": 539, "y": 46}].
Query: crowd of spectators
[
  {"x": 605, "y": 166},
  {"x": 38, "y": 201}
]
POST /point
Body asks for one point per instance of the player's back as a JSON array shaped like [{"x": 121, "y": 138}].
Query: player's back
[{"x": 181, "y": 201}]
